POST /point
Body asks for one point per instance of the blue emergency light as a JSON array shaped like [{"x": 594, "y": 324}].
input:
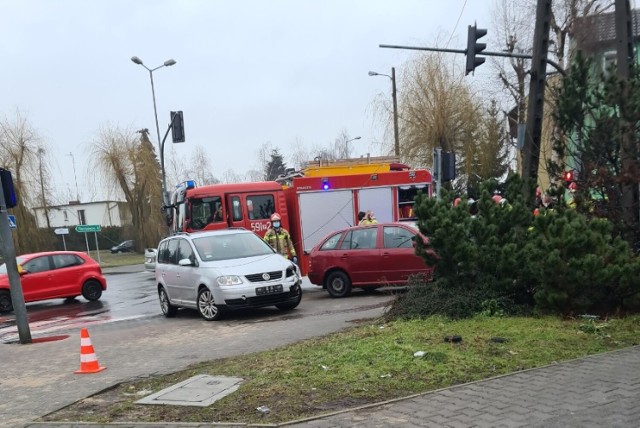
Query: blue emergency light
[
  {"x": 325, "y": 184},
  {"x": 189, "y": 184}
]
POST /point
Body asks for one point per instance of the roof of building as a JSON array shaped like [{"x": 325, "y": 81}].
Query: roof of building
[{"x": 597, "y": 31}]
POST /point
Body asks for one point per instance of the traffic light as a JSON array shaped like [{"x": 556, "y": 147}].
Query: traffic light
[
  {"x": 177, "y": 127},
  {"x": 10, "y": 198},
  {"x": 474, "y": 48},
  {"x": 447, "y": 166}
]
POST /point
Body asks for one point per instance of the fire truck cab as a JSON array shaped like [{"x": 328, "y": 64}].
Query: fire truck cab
[{"x": 220, "y": 206}]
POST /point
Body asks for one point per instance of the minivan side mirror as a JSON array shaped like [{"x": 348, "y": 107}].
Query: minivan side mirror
[{"x": 185, "y": 262}]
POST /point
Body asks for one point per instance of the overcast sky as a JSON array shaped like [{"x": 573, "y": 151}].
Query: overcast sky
[{"x": 247, "y": 72}]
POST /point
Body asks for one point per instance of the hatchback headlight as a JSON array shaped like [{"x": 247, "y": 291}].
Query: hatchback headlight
[{"x": 229, "y": 280}]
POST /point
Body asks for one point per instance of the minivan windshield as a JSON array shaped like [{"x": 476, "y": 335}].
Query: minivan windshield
[{"x": 231, "y": 246}]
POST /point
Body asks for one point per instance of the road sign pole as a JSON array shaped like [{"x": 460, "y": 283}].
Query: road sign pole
[
  {"x": 86, "y": 240},
  {"x": 64, "y": 243},
  {"x": 9, "y": 252},
  {"x": 97, "y": 249}
]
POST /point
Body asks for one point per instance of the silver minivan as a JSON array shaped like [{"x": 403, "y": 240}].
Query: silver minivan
[{"x": 217, "y": 271}]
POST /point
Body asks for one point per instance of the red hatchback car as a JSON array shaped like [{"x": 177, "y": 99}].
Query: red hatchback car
[
  {"x": 366, "y": 257},
  {"x": 52, "y": 275}
]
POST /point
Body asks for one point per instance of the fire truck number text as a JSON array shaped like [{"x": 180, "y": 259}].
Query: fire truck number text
[{"x": 260, "y": 227}]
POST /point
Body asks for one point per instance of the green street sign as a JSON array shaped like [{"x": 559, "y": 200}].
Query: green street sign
[{"x": 88, "y": 228}]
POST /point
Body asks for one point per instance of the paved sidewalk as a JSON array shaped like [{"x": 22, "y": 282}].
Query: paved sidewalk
[{"x": 597, "y": 391}]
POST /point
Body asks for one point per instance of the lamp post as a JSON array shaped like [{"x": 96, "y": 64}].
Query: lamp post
[
  {"x": 395, "y": 106},
  {"x": 346, "y": 145},
  {"x": 167, "y": 63}
]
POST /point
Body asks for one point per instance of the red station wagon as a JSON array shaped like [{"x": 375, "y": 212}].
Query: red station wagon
[
  {"x": 52, "y": 275},
  {"x": 366, "y": 257}
]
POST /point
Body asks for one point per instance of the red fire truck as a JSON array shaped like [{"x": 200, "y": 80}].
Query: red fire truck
[{"x": 312, "y": 202}]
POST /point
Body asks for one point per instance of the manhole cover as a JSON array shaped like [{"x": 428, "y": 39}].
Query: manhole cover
[{"x": 201, "y": 390}]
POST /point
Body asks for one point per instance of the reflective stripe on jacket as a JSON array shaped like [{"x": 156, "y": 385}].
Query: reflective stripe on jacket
[{"x": 280, "y": 241}]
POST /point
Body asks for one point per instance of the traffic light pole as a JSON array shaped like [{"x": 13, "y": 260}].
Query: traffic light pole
[
  {"x": 484, "y": 53},
  {"x": 175, "y": 115},
  {"x": 9, "y": 252}
]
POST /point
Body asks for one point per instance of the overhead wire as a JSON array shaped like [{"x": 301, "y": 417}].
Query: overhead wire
[{"x": 456, "y": 26}]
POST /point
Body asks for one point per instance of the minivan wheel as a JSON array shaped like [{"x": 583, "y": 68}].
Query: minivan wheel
[
  {"x": 338, "y": 284},
  {"x": 207, "y": 306},
  {"x": 167, "y": 308},
  {"x": 5, "y": 301},
  {"x": 92, "y": 290}
]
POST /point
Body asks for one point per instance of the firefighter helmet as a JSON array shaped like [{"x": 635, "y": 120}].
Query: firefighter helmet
[{"x": 275, "y": 217}]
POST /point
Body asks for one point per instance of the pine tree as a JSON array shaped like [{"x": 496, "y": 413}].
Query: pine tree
[
  {"x": 594, "y": 113},
  {"x": 275, "y": 166}
]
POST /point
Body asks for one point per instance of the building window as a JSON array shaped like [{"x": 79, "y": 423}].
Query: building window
[{"x": 81, "y": 218}]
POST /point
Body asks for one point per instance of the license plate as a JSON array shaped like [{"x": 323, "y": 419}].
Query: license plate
[{"x": 269, "y": 289}]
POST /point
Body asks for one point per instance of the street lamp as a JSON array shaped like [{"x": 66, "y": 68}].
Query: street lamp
[
  {"x": 167, "y": 63},
  {"x": 346, "y": 145},
  {"x": 395, "y": 106}
]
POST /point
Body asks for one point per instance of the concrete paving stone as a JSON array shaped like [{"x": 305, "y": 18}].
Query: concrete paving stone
[
  {"x": 467, "y": 420},
  {"x": 455, "y": 423},
  {"x": 470, "y": 413},
  {"x": 439, "y": 419},
  {"x": 491, "y": 417}
]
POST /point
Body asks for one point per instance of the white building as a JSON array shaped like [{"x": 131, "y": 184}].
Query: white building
[{"x": 104, "y": 213}]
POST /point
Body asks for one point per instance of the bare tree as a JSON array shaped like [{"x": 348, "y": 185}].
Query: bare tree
[
  {"x": 19, "y": 144},
  {"x": 200, "y": 167},
  {"x": 564, "y": 15},
  {"x": 44, "y": 175},
  {"x": 263, "y": 156},
  {"x": 514, "y": 33},
  {"x": 251, "y": 175},
  {"x": 230, "y": 176},
  {"x": 341, "y": 147},
  {"x": 300, "y": 154},
  {"x": 130, "y": 164}
]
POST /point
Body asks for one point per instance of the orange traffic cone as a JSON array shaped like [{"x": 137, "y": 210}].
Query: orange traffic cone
[{"x": 88, "y": 360}]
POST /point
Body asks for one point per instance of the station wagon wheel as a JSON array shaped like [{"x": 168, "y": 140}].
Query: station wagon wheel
[
  {"x": 167, "y": 308},
  {"x": 92, "y": 290},
  {"x": 207, "y": 306},
  {"x": 5, "y": 301},
  {"x": 338, "y": 284}
]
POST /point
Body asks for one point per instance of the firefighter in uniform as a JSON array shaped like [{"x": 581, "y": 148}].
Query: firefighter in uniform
[{"x": 279, "y": 239}]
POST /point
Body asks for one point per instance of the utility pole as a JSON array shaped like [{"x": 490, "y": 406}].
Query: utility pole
[
  {"x": 396, "y": 135},
  {"x": 535, "y": 108},
  {"x": 9, "y": 253},
  {"x": 625, "y": 58}
]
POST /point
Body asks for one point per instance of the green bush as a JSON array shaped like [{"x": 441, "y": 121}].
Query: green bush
[{"x": 503, "y": 260}]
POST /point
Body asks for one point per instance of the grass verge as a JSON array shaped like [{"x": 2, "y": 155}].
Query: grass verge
[
  {"x": 108, "y": 260},
  {"x": 365, "y": 364}
]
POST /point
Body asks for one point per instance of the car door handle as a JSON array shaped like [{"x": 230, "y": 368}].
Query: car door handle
[
  {"x": 344, "y": 255},
  {"x": 177, "y": 275}
]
